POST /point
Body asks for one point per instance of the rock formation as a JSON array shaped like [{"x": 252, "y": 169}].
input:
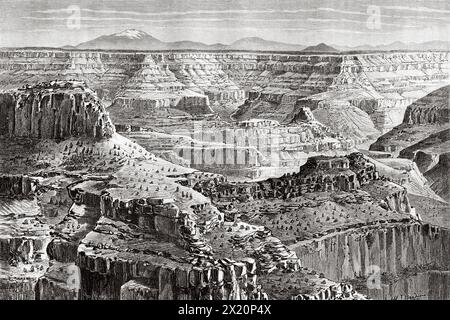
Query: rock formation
[
  {"x": 127, "y": 224},
  {"x": 438, "y": 176},
  {"x": 16, "y": 185},
  {"x": 54, "y": 110},
  {"x": 318, "y": 174},
  {"x": 429, "y": 113},
  {"x": 341, "y": 116},
  {"x": 130, "y": 228},
  {"x": 392, "y": 248},
  {"x": 276, "y": 81},
  {"x": 424, "y": 138}
]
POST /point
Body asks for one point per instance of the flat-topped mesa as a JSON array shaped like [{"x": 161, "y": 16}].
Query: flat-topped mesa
[
  {"x": 325, "y": 173},
  {"x": 318, "y": 174},
  {"x": 355, "y": 162},
  {"x": 324, "y": 163},
  {"x": 144, "y": 102},
  {"x": 54, "y": 110}
]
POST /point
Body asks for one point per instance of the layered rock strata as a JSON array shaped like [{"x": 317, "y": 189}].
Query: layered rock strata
[
  {"x": 319, "y": 174},
  {"x": 430, "y": 114},
  {"x": 391, "y": 248},
  {"x": 54, "y": 110},
  {"x": 381, "y": 85}
]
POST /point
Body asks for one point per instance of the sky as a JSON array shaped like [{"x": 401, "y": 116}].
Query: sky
[{"x": 345, "y": 23}]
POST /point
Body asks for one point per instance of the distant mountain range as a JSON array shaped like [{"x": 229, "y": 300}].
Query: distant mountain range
[
  {"x": 412, "y": 46},
  {"x": 132, "y": 39},
  {"x": 138, "y": 40}
]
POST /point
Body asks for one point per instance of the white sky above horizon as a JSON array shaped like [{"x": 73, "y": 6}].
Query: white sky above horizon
[{"x": 307, "y": 22}]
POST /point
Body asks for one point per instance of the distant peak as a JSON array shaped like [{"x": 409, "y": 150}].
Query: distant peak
[
  {"x": 251, "y": 38},
  {"x": 248, "y": 39},
  {"x": 321, "y": 47},
  {"x": 132, "y": 34}
]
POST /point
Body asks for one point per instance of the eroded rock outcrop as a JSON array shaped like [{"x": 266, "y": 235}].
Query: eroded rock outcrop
[
  {"x": 54, "y": 110},
  {"x": 318, "y": 174},
  {"x": 415, "y": 285},
  {"x": 376, "y": 83},
  {"x": 391, "y": 248},
  {"x": 105, "y": 276},
  {"x": 438, "y": 176},
  {"x": 23, "y": 242},
  {"x": 423, "y": 137},
  {"x": 430, "y": 114},
  {"x": 17, "y": 185},
  {"x": 344, "y": 118}
]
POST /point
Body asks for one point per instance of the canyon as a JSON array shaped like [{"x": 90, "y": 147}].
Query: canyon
[
  {"x": 423, "y": 137},
  {"x": 379, "y": 84},
  {"x": 222, "y": 175},
  {"x": 76, "y": 260}
]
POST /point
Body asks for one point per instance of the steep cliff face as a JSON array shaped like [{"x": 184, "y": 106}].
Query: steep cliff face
[
  {"x": 138, "y": 232},
  {"x": 54, "y": 110},
  {"x": 431, "y": 109},
  {"x": 376, "y": 83},
  {"x": 423, "y": 118},
  {"x": 438, "y": 176},
  {"x": 426, "y": 153},
  {"x": 60, "y": 282},
  {"x": 406, "y": 173},
  {"x": 384, "y": 109},
  {"x": 431, "y": 144},
  {"x": 387, "y": 111},
  {"x": 429, "y": 285},
  {"x": 16, "y": 185},
  {"x": 424, "y": 160},
  {"x": 341, "y": 116},
  {"x": 336, "y": 244},
  {"x": 21, "y": 289},
  {"x": 106, "y": 277},
  {"x": 423, "y": 137},
  {"x": 142, "y": 105},
  {"x": 391, "y": 248},
  {"x": 220, "y": 76},
  {"x": 23, "y": 242}
]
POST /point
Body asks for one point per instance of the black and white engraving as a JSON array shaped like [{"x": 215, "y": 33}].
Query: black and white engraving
[{"x": 224, "y": 150}]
